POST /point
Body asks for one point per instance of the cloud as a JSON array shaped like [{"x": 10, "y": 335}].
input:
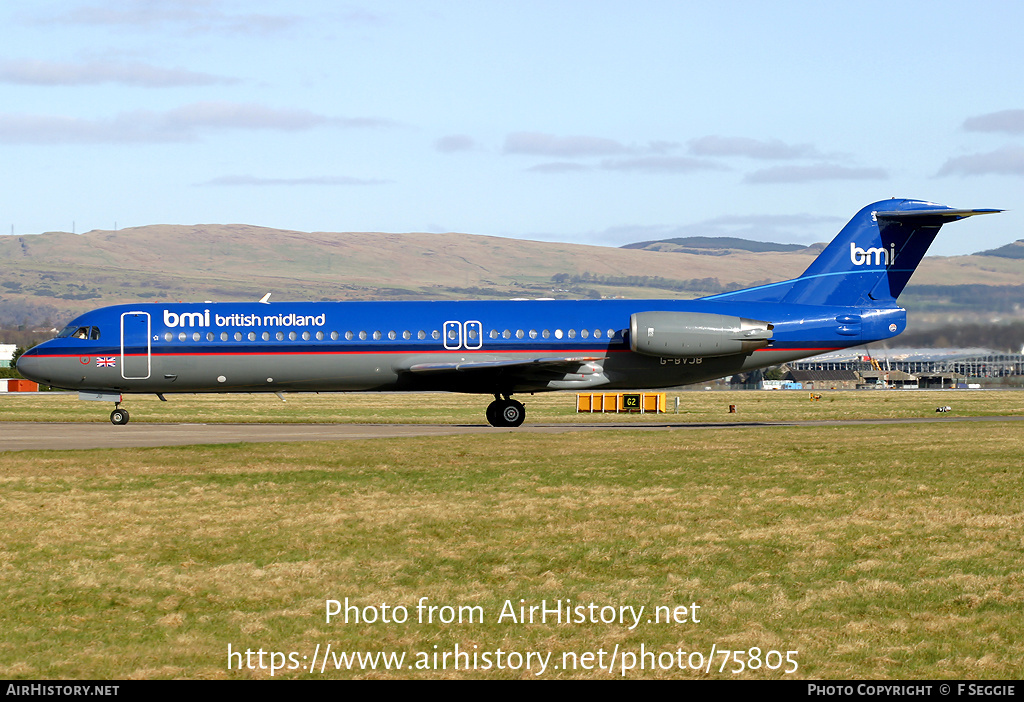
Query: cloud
[
  {"x": 455, "y": 143},
  {"x": 773, "y": 149},
  {"x": 641, "y": 164},
  {"x": 1008, "y": 160},
  {"x": 559, "y": 167},
  {"x": 815, "y": 172},
  {"x": 191, "y": 16},
  {"x": 55, "y": 73},
  {"x": 763, "y": 221},
  {"x": 537, "y": 144},
  {"x": 662, "y": 164},
  {"x": 249, "y": 180},
  {"x": 1009, "y": 121},
  {"x": 235, "y": 115},
  {"x": 48, "y": 129},
  {"x": 181, "y": 124}
]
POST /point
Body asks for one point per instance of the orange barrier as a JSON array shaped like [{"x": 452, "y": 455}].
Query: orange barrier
[{"x": 621, "y": 402}]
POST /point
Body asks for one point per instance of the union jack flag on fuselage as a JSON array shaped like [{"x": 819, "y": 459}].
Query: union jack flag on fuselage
[{"x": 106, "y": 361}]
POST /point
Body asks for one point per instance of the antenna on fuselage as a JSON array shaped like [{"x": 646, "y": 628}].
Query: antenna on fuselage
[{"x": 266, "y": 299}]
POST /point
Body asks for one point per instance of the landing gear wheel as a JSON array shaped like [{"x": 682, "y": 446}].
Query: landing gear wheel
[
  {"x": 494, "y": 413},
  {"x": 506, "y": 413},
  {"x": 513, "y": 413},
  {"x": 119, "y": 416}
]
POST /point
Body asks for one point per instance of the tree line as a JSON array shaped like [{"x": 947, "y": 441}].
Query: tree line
[{"x": 701, "y": 285}]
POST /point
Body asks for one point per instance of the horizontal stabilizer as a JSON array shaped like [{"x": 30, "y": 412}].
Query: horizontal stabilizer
[{"x": 926, "y": 217}]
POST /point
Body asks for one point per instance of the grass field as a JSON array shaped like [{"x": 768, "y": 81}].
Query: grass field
[
  {"x": 453, "y": 408},
  {"x": 872, "y": 551}
]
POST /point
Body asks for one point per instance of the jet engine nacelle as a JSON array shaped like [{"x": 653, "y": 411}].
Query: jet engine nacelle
[{"x": 689, "y": 334}]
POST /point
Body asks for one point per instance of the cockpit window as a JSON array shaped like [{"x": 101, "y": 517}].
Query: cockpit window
[{"x": 76, "y": 332}]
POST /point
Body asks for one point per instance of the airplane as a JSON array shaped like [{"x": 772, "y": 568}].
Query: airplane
[{"x": 846, "y": 297}]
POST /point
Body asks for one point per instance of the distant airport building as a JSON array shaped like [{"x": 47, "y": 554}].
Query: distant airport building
[
  {"x": 889, "y": 368},
  {"x": 927, "y": 368},
  {"x": 7, "y": 354},
  {"x": 971, "y": 363}
]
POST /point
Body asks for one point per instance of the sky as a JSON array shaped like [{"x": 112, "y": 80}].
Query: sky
[{"x": 586, "y": 122}]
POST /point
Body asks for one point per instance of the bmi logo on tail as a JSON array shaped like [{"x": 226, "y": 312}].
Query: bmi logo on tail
[{"x": 860, "y": 257}]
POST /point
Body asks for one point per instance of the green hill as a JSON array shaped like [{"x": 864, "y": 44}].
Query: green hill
[
  {"x": 47, "y": 278},
  {"x": 712, "y": 245},
  {"x": 1014, "y": 250}
]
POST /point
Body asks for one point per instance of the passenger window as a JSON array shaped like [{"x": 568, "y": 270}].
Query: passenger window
[
  {"x": 292, "y": 336},
  {"x": 223, "y": 336},
  {"x": 320, "y": 335},
  {"x": 362, "y": 336},
  {"x": 182, "y": 336},
  {"x": 584, "y": 333},
  {"x": 572, "y": 333},
  {"x": 506, "y": 334},
  {"x": 392, "y": 335},
  {"x": 597, "y": 333},
  {"x": 558, "y": 333},
  {"x": 533, "y": 333},
  {"x": 435, "y": 335},
  {"x": 520, "y": 334},
  {"x": 252, "y": 336},
  {"x": 266, "y": 336},
  {"x": 305, "y": 336},
  {"x": 376, "y": 335},
  {"x": 421, "y": 334},
  {"x": 546, "y": 334},
  {"x": 168, "y": 336},
  {"x": 494, "y": 334},
  {"x": 279, "y": 336},
  {"x": 196, "y": 336},
  {"x": 238, "y": 336},
  {"x": 406, "y": 334}
]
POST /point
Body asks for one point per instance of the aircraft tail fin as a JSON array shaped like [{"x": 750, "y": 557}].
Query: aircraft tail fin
[{"x": 869, "y": 262}]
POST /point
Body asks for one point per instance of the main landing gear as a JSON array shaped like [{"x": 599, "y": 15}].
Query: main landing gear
[{"x": 505, "y": 412}]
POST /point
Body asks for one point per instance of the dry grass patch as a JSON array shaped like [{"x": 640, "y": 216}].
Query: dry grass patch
[{"x": 882, "y": 551}]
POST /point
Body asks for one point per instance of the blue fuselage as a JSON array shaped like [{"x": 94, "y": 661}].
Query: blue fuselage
[{"x": 338, "y": 346}]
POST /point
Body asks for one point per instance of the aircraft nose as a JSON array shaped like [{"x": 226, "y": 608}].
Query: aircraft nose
[
  {"x": 29, "y": 366},
  {"x": 39, "y": 368}
]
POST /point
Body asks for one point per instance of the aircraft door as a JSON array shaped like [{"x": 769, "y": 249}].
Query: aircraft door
[
  {"x": 136, "y": 347},
  {"x": 452, "y": 335},
  {"x": 463, "y": 335}
]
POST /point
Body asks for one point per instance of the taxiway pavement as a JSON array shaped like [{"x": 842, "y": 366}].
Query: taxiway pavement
[{"x": 25, "y": 436}]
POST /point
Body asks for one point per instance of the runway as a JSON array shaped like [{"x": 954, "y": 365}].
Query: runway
[{"x": 29, "y": 436}]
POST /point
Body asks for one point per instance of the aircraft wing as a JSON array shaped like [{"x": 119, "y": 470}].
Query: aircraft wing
[
  {"x": 484, "y": 375},
  {"x": 564, "y": 364}
]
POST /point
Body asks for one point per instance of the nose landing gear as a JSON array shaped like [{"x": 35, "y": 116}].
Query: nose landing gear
[
  {"x": 505, "y": 412},
  {"x": 119, "y": 416}
]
